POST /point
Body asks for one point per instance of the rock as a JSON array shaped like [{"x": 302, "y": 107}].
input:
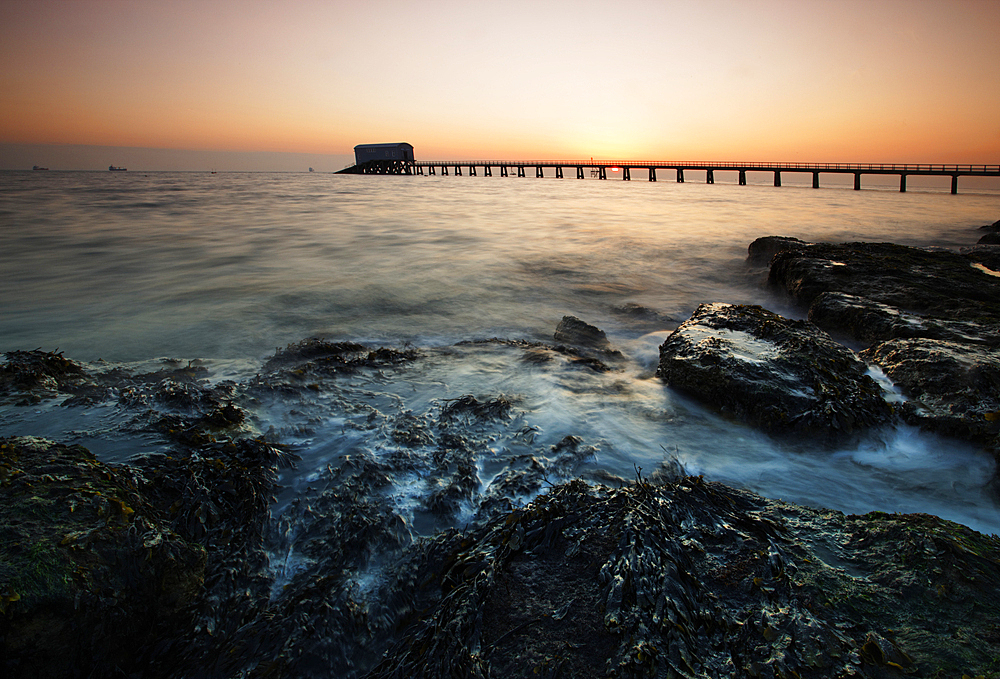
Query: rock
[
  {"x": 928, "y": 282},
  {"x": 688, "y": 578},
  {"x": 571, "y": 330},
  {"x": 872, "y": 322},
  {"x": 931, "y": 320},
  {"x": 761, "y": 251},
  {"x": 90, "y": 571},
  {"x": 778, "y": 374},
  {"x": 992, "y": 238},
  {"x": 987, "y": 256},
  {"x": 955, "y": 387}
]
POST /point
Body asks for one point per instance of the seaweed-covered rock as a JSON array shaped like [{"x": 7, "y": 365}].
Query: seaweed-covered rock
[
  {"x": 693, "y": 579},
  {"x": 90, "y": 571},
  {"x": 34, "y": 375},
  {"x": 779, "y": 374}
]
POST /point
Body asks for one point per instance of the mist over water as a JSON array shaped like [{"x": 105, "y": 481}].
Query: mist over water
[{"x": 227, "y": 267}]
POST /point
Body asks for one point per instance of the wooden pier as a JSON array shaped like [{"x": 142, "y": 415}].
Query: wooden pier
[{"x": 600, "y": 169}]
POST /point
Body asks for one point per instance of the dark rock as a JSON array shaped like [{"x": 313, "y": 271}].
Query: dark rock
[
  {"x": 986, "y": 256},
  {"x": 990, "y": 239},
  {"x": 761, "y": 251},
  {"x": 955, "y": 387},
  {"x": 90, "y": 571},
  {"x": 928, "y": 282},
  {"x": 638, "y": 314},
  {"x": 871, "y": 322},
  {"x": 931, "y": 318},
  {"x": 691, "y": 579},
  {"x": 571, "y": 330},
  {"x": 778, "y": 374},
  {"x": 34, "y": 375}
]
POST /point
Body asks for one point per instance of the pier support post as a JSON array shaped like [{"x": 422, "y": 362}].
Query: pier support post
[
  {"x": 559, "y": 174},
  {"x": 652, "y": 174},
  {"x": 604, "y": 173},
  {"x": 710, "y": 177},
  {"x": 458, "y": 170},
  {"x": 777, "y": 178},
  {"x": 503, "y": 170},
  {"x": 815, "y": 180},
  {"x": 538, "y": 171},
  {"x": 954, "y": 183},
  {"x": 902, "y": 182},
  {"x": 625, "y": 175},
  {"x": 579, "y": 172},
  {"x": 430, "y": 169},
  {"x": 680, "y": 175},
  {"x": 472, "y": 170},
  {"x": 444, "y": 170},
  {"x": 487, "y": 172},
  {"x": 857, "y": 181},
  {"x": 520, "y": 170},
  {"x": 420, "y": 170},
  {"x": 743, "y": 177}
]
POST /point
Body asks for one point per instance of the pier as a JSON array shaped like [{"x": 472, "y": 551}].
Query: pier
[{"x": 600, "y": 169}]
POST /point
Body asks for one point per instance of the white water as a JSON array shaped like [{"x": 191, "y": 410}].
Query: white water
[{"x": 227, "y": 267}]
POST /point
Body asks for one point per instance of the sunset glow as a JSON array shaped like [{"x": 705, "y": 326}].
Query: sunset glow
[{"x": 890, "y": 81}]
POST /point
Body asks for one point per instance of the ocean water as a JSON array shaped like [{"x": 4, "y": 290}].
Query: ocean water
[{"x": 224, "y": 268}]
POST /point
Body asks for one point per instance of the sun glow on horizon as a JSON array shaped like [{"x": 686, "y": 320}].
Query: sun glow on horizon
[{"x": 885, "y": 81}]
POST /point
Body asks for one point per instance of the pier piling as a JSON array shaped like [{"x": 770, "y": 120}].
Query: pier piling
[{"x": 599, "y": 169}]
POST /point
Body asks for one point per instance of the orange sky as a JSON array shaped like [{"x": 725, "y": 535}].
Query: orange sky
[{"x": 795, "y": 80}]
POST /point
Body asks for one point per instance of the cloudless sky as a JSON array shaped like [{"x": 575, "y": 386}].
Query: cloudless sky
[{"x": 768, "y": 80}]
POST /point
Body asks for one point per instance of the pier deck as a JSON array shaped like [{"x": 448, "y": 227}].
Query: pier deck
[{"x": 599, "y": 169}]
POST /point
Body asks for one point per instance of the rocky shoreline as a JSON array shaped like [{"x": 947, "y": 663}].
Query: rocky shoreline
[{"x": 160, "y": 567}]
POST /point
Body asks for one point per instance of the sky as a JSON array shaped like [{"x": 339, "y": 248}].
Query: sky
[{"x": 269, "y": 85}]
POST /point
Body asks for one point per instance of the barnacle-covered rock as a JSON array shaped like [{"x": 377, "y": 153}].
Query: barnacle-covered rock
[{"x": 779, "y": 374}]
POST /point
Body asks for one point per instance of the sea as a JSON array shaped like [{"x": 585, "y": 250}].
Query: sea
[{"x": 138, "y": 269}]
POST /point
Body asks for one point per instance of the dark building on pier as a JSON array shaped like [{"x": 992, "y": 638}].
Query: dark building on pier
[{"x": 399, "y": 152}]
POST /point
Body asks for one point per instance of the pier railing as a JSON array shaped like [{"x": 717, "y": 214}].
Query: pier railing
[
  {"x": 892, "y": 168},
  {"x": 600, "y": 168}
]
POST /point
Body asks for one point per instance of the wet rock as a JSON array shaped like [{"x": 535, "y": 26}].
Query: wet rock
[
  {"x": 91, "y": 572},
  {"x": 571, "y": 330},
  {"x": 34, "y": 375},
  {"x": 992, "y": 235},
  {"x": 762, "y": 251},
  {"x": 870, "y": 322},
  {"x": 986, "y": 256},
  {"x": 689, "y": 578},
  {"x": 931, "y": 283},
  {"x": 931, "y": 320},
  {"x": 638, "y": 314},
  {"x": 316, "y": 357},
  {"x": 778, "y": 374},
  {"x": 954, "y": 387}
]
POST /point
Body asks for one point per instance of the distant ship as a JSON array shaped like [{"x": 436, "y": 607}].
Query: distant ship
[
  {"x": 37, "y": 167},
  {"x": 311, "y": 170},
  {"x": 117, "y": 169}
]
